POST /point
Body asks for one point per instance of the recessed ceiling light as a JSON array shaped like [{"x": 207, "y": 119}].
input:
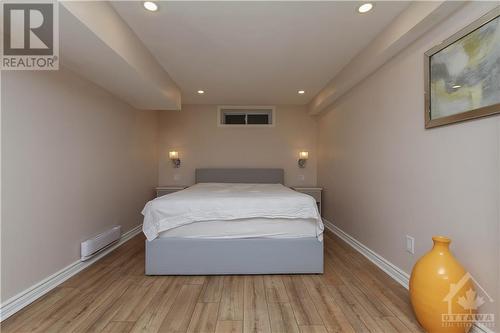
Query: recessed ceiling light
[
  {"x": 301, "y": 92},
  {"x": 150, "y": 5},
  {"x": 201, "y": 92},
  {"x": 365, "y": 8}
]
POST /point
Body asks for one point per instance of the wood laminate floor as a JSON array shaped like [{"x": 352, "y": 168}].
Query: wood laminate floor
[{"x": 114, "y": 295}]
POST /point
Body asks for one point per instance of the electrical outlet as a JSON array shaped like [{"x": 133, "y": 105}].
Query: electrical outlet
[
  {"x": 177, "y": 177},
  {"x": 410, "y": 244},
  {"x": 302, "y": 178}
]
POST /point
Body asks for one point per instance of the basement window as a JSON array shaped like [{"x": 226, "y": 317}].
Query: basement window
[{"x": 254, "y": 116}]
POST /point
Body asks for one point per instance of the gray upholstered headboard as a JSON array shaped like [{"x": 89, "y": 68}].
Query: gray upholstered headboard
[{"x": 243, "y": 175}]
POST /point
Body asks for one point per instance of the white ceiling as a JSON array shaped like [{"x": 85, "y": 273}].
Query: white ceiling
[
  {"x": 109, "y": 54},
  {"x": 255, "y": 52}
]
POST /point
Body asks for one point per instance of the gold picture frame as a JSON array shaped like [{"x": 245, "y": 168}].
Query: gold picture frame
[{"x": 436, "y": 86}]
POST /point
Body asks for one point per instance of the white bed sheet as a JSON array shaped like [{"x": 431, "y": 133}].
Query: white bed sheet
[
  {"x": 245, "y": 228},
  {"x": 206, "y": 202}
]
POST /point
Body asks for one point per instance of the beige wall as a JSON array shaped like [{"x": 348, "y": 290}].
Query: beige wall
[
  {"x": 75, "y": 160},
  {"x": 385, "y": 176},
  {"x": 193, "y": 132}
]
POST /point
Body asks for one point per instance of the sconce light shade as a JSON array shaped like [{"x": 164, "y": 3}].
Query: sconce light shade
[
  {"x": 174, "y": 156},
  {"x": 303, "y": 156}
]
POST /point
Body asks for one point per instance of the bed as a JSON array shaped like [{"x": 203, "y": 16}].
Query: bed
[{"x": 233, "y": 221}]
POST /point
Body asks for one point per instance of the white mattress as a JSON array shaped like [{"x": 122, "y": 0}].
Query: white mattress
[
  {"x": 246, "y": 228},
  {"x": 207, "y": 202}
]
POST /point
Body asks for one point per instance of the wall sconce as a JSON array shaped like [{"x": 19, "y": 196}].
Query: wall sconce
[
  {"x": 303, "y": 156},
  {"x": 174, "y": 156}
]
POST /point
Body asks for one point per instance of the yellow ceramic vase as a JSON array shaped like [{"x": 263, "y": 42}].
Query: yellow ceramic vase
[{"x": 436, "y": 284}]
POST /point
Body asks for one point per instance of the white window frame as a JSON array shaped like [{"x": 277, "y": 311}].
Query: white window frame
[{"x": 220, "y": 109}]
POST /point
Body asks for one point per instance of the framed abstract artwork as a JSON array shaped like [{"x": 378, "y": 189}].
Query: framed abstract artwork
[{"x": 462, "y": 74}]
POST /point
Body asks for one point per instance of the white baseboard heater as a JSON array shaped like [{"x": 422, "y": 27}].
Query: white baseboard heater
[{"x": 92, "y": 246}]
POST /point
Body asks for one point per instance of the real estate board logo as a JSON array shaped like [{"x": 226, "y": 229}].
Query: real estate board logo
[
  {"x": 30, "y": 36},
  {"x": 470, "y": 300}
]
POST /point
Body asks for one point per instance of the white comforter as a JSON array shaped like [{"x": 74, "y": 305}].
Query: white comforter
[{"x": 225, "y": 202}]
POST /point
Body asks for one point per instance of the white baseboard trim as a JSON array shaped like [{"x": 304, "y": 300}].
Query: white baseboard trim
[
  {"x": 389, "y": 268},
  {"x": 28, "y": 296}
]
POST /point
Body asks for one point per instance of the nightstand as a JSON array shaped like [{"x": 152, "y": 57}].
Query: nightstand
[
  {"x": 164, "y": 190},
  {"x": 314, "y": 192}
]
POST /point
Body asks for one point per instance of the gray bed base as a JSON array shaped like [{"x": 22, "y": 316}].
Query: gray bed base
[{"x": 184, "y": 256}]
